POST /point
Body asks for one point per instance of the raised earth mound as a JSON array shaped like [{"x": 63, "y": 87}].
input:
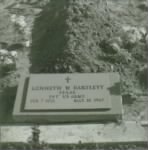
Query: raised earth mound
[
  {"x": 67, "y": 36},
  {"x": 83, "y": 36}
]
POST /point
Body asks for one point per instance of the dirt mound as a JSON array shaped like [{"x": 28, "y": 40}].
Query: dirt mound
[
  {"x": 67, "y": 36},
  {"x": 82, "y": 36}
]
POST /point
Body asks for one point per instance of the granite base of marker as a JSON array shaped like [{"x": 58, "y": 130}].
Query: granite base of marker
[
  {"x": 74, "y": 134},
  {"x": 31, "y": 105}
]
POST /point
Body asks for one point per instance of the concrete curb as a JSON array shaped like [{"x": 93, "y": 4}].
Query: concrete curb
[{"x": 74, "y": 134}]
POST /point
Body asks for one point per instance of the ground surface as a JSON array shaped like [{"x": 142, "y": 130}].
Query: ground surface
[{"x": 125, "y": 13}]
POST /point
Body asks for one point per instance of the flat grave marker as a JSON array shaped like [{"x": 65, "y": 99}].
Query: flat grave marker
[
  {"x": 66, "y": 98},
  {"x": 67, "y": 92}
]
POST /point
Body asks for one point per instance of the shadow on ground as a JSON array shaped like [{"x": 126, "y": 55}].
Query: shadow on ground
[{"x": 7, "y": 98}]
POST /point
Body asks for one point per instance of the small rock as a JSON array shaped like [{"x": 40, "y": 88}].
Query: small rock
[
  {"x": 143, "y": 31},
  {"x": 112, "y": 68},
  {"x": 21, "y": 21},
  {"x": 8, "y": 61},
  {"x": 4, "y": 52},
  {"x": 115, "y": 46},
  {"x": 27, "y": 43},
  {"x": 144, "y": 123},
  {"x": 118, "y": 40},
  {"x": 13, "y": 18},
  {"x": 14, "y": 54},
  {"x": 133, "y": 34},
  {"x": 2, "y": 58}
]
